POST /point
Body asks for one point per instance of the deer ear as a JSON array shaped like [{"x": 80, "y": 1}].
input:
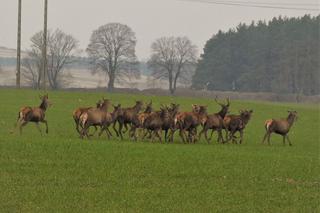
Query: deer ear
[{"x": 241, "y": 111}]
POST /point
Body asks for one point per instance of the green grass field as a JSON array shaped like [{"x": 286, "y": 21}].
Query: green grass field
[{"x": 61, "y": 173}]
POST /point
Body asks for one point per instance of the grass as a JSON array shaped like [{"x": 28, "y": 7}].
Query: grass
[{"x": 61, "y": 173}]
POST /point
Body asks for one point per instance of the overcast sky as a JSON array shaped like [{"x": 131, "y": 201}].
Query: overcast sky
[{"x": 149, "y": 19}]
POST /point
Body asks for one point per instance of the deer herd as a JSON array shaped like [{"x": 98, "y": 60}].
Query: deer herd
[{"x": 141, "y": 121}]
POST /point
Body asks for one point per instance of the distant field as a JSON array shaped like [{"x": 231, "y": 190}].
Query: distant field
[{"x": 61, "y": 173}]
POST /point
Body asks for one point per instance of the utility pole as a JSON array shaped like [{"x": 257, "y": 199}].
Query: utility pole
[
  {"x": 18, "y": 46},
  {"x": 44, "y": 48}
]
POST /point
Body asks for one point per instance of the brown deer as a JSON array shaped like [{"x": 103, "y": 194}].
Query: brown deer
[
  {"x": 126, "y": 117},
  {"x": 169, "y": 124},
  {"x": 34, "y": 114},
  {"x": 154, "y": 123},
  {"x": 237, "y": 123},
  {"x": 189, "y": 121},
  {"x": 78, "y": 112},
  {"x": 280, "y": 126},
  {"x": 96, "y": 117},
  {"x": 215, "y": 121},
  {"x": 138, "y": 120}
]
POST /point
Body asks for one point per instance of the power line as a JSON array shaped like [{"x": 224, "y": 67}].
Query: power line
[
  {"x": 253, "y": 4},
  {"x": 271, "y": 3}
]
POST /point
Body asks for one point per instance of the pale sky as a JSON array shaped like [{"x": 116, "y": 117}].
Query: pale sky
[{"x": 149, "y": 19}]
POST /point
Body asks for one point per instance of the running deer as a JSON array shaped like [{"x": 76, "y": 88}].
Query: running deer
[
  {"x": 78, "y": 112},
  {"x": 237, "y": 123},
  {"x": 215, "y": 121},
  {"x": 96, "y": 117},
  {"x": 189, "y": 121},
  {"x": 34, "y": 114},
  {"x": 280, "y": 126},
  {"x": 126, "y": 117},
  {"x": 138, "y": 120},
  {"x": 154, "y": 123}
]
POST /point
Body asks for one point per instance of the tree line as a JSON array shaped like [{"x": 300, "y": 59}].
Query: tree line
[
  {"x": 280, "y": 56},
  {"x": 111, "y": 50}
]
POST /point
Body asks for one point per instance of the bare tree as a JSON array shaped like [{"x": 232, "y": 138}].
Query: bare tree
[
  {"x": 61, "y": 48},
  {"x": 112, "y": 50},
  {"x": 173, "y": 58}
]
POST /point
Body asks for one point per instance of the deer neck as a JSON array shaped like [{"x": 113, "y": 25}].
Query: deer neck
[
  {"x": 136, "y": 109},
  {"x": 222, "y": 113},
  {"x": 43, "y": 106},
  {"x": 290, "y": 120}
]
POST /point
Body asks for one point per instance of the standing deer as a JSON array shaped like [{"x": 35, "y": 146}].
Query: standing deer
[
  {"x": 237, "y": 123},
  {"x": 280, "y": 126},
  {"x": 34, "y": 114}
]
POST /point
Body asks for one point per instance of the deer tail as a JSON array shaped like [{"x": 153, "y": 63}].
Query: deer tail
[
  {"x": 267, "y": 124},
  {"x": 83, "y": 119}
]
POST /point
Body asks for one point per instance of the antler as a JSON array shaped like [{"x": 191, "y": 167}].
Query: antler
[
  {"x": 216, "y": 100},
  {"x": 228, "y": 101}
]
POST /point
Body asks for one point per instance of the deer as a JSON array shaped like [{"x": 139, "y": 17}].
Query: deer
[
  {"x": 280, "y": 126},
  {"x": 77, "y": 113},
  {"x": 236, "y": 123},
  {"x": 189, "y": 121},
  {"x": 215, "y": 121},
  {"x": 138, "y": 120},
  {"x": 154, "y": 123},
  {"x": 34, "y": 114},
  {"x": 169, "y": 124},
  {"x": 96, "y": 117},
  {"x": 126, "y": 117}
]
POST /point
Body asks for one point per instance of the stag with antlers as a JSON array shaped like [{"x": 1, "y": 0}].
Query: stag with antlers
[{"x": 215, "y": 121}]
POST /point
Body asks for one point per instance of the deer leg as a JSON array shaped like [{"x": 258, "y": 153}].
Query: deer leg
[
  {"x": 181, "y": 135},
  {"x": 114, "y": 128},
  {"x": 269, "y": 134},
  {"x": 227, "y": 136},
  {"x": 206, "y": 135},
  {"x": 284, "y": 139},
  {"x": 159, "y": 135},
  {"x": 120, "y": 130},
  {"x": 108, "y": 132},
  {"x": 38, "y": 127},
  {"x": 241, "y": 136},
  {"x": 76, "y": 121},
  {"x": 201, "y": 132},
  {"x": 165, "y": 135},
  {"x": 290, "y": 144},
  {"x": 220, "y": 137},
  {"x": 171, "y": 135},
  {"x": 95, "y": 130},
  {"x": 126, "y": 128},
  {"x": 103, "y": 128},
  {"x": 264, "y": 138},
  {"x": 46, "y": 123},
  {"x": 22, "y": 125},
  {"x": 144, "y": 135}
]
